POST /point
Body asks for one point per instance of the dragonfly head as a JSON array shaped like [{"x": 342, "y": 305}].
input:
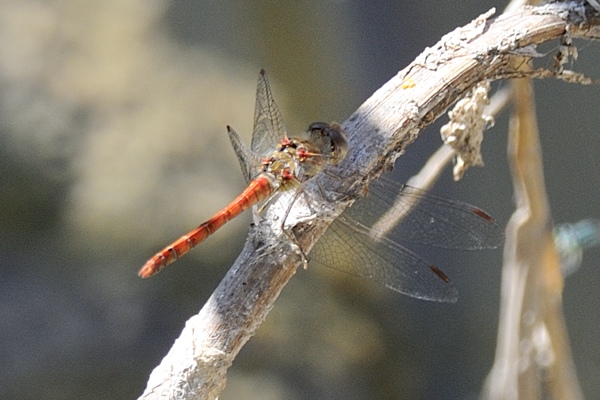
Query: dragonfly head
[{"x": 332, "y": 138}]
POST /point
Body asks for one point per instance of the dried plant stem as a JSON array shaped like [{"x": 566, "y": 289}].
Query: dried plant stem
[{"x": 533, "y": 358}]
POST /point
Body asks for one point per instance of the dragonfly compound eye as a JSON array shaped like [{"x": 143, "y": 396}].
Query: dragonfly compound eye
[{"x": 339, "y": 143}]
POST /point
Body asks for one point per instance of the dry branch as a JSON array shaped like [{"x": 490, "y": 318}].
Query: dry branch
[{"x": 378, "y": 132}]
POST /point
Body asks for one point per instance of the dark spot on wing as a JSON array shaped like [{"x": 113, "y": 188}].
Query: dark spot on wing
[
  {"x": 483, "y": 215},
  {"x": 440, "y": 273}
]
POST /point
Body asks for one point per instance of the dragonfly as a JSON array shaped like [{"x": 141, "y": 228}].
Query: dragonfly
[{"x": 356, "y": 242}]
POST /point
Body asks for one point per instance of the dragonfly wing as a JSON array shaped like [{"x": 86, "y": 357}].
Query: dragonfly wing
[
  {"x": 269, "y": 128},
  {"x": 249, "y": 161},
  {"x": 418, "y": 216},
  {"x": 347, "y": 247}
]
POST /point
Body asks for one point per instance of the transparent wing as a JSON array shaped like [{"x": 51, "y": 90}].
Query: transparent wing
[
  {"x": 249, "y": 161},
  {"x": 417, "y": 216},
  {"x": 347, "y": 247},
  {"x": 269, "y": 128}
]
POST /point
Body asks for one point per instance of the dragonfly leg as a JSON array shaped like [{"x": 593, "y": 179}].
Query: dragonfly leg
[{"x": 289, "y": 232}]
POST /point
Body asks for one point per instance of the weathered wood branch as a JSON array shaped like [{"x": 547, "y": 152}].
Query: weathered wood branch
[{"x": 378, "y": 132}]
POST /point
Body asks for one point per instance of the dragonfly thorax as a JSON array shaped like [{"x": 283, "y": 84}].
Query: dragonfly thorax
[
  {"x": 295, "y": 160},
  {"x": 299, "y": 159}
]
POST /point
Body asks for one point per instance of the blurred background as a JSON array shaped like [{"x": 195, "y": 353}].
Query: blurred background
[{"x": 113, "y": 144}]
